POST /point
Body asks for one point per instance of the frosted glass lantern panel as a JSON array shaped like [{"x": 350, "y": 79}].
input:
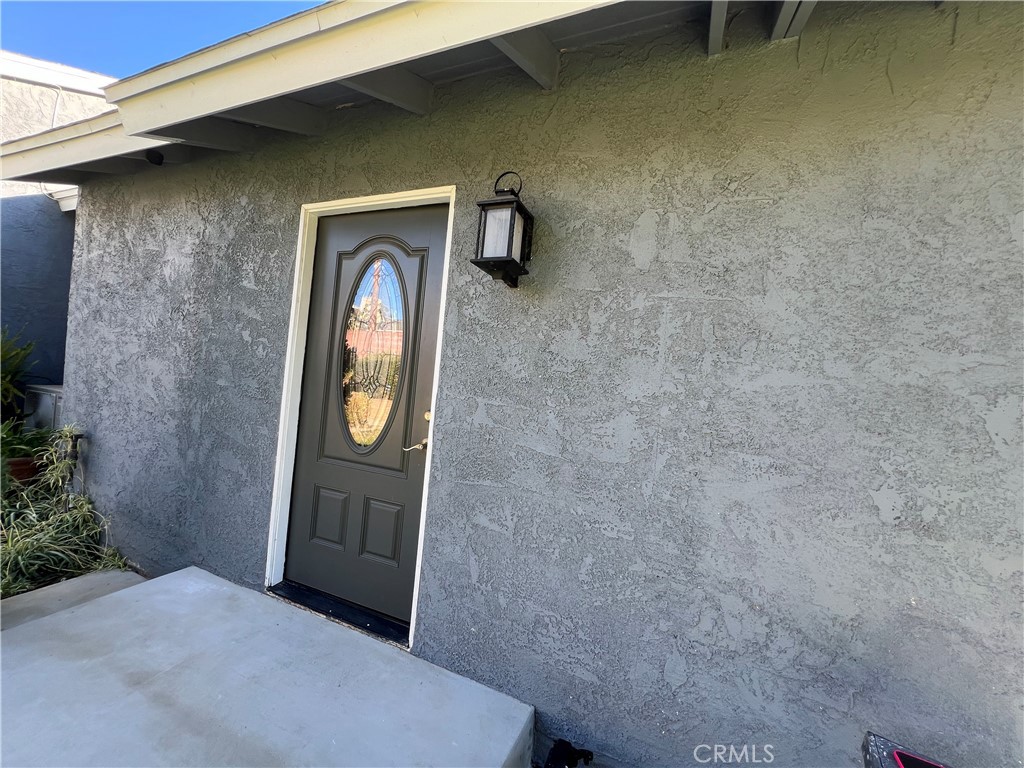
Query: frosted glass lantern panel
[
  {"x": 517, "y": 239},
  {"x": 496, "y": 233}
]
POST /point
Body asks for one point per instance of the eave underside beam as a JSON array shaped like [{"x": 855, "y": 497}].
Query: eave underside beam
[
  {"x": 791, "y": 18},
  {"x": 716, "y": 27},
  {"x": 533, "y": 53},
  {"x": 395, "y": 86}
]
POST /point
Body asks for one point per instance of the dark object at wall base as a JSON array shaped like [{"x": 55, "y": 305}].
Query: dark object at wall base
[
  {"x": 565, "y": 755},
  {"x": 879, "y": 752}
]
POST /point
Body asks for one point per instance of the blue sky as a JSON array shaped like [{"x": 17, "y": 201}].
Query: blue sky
[{"x": 126, "y": 37}]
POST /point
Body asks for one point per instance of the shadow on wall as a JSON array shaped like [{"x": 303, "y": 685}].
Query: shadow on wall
[{"x": 36, "y": 242}]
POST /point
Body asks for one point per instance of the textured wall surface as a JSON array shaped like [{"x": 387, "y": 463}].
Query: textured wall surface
[
  {"x": 36, "y": 238},
  {"x": 36, "y": 241},
  {"x": 29, "y": 108},
  {"x": 751, "y": 473}
]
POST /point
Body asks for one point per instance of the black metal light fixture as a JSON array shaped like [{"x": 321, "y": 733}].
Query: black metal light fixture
[{"x": 506, "y": 233}]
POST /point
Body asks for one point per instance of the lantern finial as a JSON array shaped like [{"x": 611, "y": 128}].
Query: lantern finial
[{"x": 499, "y": 190}]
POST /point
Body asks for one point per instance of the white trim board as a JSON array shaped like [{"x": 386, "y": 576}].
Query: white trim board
[
  {"x": 303, "y": 52},
  {"x": 84, "y": 141},
  {"x": 66, "y": 197},
  {"x": 288, "y": 424},
  {"x": 15, "y": 66},
  {"x": 377, "y": 36}
]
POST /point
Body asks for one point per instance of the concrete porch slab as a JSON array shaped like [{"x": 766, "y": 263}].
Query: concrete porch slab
[
  {"x": 65, "y": 594},
  {"x": 191, "y": 670}
]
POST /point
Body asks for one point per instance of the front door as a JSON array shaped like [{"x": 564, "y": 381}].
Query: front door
[{"x": 354, "y": 521}]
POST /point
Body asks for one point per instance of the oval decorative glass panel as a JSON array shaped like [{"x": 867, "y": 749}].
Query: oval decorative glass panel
[{"x": 372, "y": 360}]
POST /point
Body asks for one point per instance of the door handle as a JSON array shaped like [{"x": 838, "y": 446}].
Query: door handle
[{"x": 418, "y": 447}]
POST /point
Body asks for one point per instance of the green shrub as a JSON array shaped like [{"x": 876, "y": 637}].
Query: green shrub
[
  {"x": 16, "y": 442},
  {"x": 13, "y": 366},
  {"x": 47, "y": 531}
]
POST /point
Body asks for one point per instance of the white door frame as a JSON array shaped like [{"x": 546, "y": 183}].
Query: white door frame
[{"x": 288, "y": 427}]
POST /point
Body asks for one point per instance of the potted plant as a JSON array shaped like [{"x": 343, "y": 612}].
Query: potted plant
[
  {"x": 48, "y": 530},
  {"x": 20, "y": 448},
  {"x": 17, "y": 445}
]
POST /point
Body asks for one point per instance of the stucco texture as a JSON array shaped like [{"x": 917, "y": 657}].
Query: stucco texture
[
  {"x": 36, "y": 241},
  {"x": 740, "y": 462},
  {"x": 29, "y": 108},
  {"x": 36, "y": 238}
]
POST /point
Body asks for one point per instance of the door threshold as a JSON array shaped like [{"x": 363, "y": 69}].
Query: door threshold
[{"x": 364, "y": 619}]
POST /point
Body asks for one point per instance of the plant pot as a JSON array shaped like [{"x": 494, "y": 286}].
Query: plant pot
[{"x": 23, "y": 470}]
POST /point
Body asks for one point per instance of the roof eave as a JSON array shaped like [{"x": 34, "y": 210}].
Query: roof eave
[
  {"x": 289, "y": 56},
  {"x": 62, "y": 154},
  {"x": 373, "y": 35}
]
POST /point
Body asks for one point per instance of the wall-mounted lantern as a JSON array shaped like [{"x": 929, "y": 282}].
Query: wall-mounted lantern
[{"x": 506, "y": 233}]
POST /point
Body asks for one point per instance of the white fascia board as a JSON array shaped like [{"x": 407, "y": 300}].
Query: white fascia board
[
  {"x": 351, "y": 46},
  {"x": 14, "y": 66},
  {"x": 242, "y": 46},
  {"x": 70, "y": 130},
  {"x": 70, "y": 145}
]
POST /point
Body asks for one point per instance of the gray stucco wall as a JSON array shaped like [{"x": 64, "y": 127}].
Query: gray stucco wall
[
  {"x": 36, "y": 238},
  {"x": 752, "y": 472},
  {"x": 36, "y": 241},
  {"x": 33, "y": 107}
]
